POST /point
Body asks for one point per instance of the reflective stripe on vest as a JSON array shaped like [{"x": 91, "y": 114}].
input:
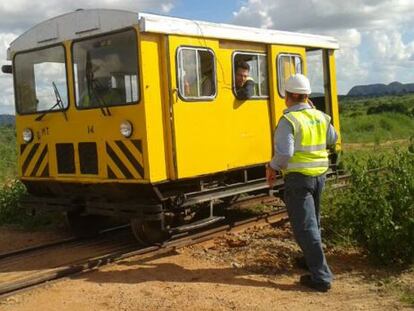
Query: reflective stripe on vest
[{"x": 310, "y": 128}]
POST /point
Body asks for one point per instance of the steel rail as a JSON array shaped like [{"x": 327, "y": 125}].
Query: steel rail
[
  {"x": 37, "y": 247},
  {"x": 57, "y": 243}
]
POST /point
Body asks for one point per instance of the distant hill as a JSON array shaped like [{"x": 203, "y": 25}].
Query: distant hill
[
  {"x": 7, "y": 119},
  {"x": 394, "y": 88}
]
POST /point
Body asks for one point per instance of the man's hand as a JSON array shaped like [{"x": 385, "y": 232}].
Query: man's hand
[{"x": 270, "y": 176}]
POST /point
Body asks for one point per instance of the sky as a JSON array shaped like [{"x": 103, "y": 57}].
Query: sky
[{"x": 376, "y": 37}]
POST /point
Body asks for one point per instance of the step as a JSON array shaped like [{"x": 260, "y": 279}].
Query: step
[{"x": 196, "y": 225}]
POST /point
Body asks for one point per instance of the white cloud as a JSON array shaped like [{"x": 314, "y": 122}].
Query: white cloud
[
  {"x": 369, "y": 33},
  {"x": 6, "y": 83},
  {"x": 167, "y": 7},
  {"x": 326, "y": 14},
  {"x": 388, "y": 45},
  {"x": 348, "y": 64}
]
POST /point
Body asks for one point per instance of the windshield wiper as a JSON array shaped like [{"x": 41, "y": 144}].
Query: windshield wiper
[
  {"x": 59, "y": 103},
  {"x": 91, "y": 85},
  {"x": 101, "y": 102}
]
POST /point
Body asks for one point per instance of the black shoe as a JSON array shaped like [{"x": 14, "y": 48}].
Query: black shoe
[
  {"x": 300, "y": 262},
  {"x": 307, "y": 281}
]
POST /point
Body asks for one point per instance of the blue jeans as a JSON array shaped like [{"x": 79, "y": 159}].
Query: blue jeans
[{"x": 302, "y": 198}]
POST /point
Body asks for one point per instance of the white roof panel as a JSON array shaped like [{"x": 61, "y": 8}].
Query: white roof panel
[{"x": 179, "y": 26}]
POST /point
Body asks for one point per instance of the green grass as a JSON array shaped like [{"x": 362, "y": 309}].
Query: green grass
[
  {"x": 376, "y": 128},
  {"x": 8, "y": 157},
  {"x": 367, "y": 119}
]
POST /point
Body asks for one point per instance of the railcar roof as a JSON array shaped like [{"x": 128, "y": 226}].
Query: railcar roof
[
  {"x": 84, "y": 23},
  {"x": 179, "y": 26}
]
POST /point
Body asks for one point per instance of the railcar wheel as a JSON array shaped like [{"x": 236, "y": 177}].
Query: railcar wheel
[
  {"x": 86, "y": 225},
  {"x": 148, "y": 232}
]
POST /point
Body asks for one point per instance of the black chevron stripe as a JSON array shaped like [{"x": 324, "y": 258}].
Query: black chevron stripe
[
  {"x": 45, "y": 172},
  {"x": 130, "y": 157},
  {"x": 118, "y": 162},
  {"x": 110, "y": 173},
  {"x": 138, "y": 144},
  {"x": 29, "y": 158},
  {"x": 39, "y": 161},
  {"x": 22, "y": 148}
]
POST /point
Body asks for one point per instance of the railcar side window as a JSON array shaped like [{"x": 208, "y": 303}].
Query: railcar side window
[
  {"x": 196, "y": 73},
  {"x": 106, "y": 70},
  {"x": 40, "y": 80},
  {"x": 258, "y": 72},
  {"x": 287, "y": 65}
]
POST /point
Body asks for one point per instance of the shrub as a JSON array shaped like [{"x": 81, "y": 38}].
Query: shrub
[
  {"x": 355, "y": 114},
  {"x": 11, "y": 212},
  {"x": 377, "y": 210},
  {"x": 8, "y": 168},
  {"x": 365, "y": 126},
  {"x": 393, "y": 107},
  {"x": 10, "y": 194}
]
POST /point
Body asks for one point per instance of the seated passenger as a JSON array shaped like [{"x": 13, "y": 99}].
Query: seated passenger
[
  {"x": 207, "y": 85},
  {"x": 190, "y": 86},
  {"x": 244, "y": 84},
  {"x": 101, "y": 94}
]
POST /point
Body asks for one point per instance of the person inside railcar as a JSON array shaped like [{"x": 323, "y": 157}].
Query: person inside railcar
[{"x": 244, "y": 84}]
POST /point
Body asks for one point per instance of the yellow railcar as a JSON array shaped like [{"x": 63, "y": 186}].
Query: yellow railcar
[{"x": 135, "y": 115}]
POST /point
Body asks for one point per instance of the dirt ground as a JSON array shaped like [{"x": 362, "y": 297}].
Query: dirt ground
[{"x": 250, "y": 270}]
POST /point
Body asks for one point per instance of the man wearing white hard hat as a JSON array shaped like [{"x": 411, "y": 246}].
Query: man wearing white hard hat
[{"x": 300, "y": 145}]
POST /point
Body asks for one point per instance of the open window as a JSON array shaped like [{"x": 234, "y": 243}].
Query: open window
[
  {"x": 257, "y": 72},
  {"x": 287, "y": 65},
  {"x": 196, "y": 73},
  {"x": 318, "y": 74}
]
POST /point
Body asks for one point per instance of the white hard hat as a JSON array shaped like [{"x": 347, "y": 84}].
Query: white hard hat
[{"x": 298, "y": 84}]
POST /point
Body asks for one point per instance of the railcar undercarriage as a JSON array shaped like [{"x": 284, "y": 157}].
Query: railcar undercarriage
[{"x": 156, "y": 211}]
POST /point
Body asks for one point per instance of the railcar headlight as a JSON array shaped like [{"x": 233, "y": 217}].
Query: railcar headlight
[
  {"x": 126, "y": 129},
  {"x": 27, "y": 135}
]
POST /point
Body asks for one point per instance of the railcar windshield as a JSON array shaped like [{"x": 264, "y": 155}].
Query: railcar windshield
[
  {"x": 106, "y": 70},
  {"x": 40, "y": 80}
]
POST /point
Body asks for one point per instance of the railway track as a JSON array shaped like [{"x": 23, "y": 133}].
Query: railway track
[
  {"x": 58, "y": 243},
  {"x": 33, "y": 266}
]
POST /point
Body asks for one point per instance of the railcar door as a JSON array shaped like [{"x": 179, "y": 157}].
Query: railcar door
[
  {"x": 322, "y": 77},
  {"x": 197, "y": 120}
]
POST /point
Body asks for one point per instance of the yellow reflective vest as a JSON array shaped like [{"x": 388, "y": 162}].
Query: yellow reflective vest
[{"x": 310, "y": 128}]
